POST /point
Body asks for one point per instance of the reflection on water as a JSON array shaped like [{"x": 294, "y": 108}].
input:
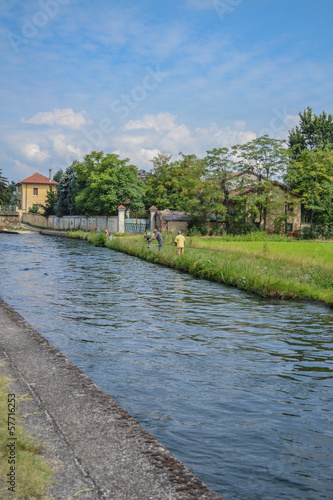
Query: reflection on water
[{"x": 237, "y": 387}]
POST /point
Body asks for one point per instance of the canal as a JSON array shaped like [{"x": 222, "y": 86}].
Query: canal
[{"x": 237, "y": 387}]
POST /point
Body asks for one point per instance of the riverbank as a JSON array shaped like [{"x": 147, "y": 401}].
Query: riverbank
[
  {"x": 286, "y": 269},
  {"x": 96, "y": 448}
]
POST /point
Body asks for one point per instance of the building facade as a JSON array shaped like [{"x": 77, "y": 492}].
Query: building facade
[{"x": 32, "y": 191}]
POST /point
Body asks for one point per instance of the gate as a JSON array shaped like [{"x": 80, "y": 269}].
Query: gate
[{"x": 136, "y": 225}]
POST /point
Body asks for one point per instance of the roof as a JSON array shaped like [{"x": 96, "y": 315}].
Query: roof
[
  {"x": 38, "y": 179},
  {"x": 174, "y": 218}
]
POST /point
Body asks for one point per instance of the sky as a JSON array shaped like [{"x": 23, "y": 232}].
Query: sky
[{"x": 137, "y": 78}]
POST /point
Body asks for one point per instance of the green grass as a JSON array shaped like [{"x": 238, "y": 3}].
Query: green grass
[
  {"x": 32, "y": 474},
  {"x": 283, "y": 269}
]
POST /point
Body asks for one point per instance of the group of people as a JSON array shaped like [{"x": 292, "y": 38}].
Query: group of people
[{"x": 179, "y": 241}]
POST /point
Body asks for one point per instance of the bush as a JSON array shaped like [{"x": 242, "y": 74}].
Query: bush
[{"x": 318, "y": 231}]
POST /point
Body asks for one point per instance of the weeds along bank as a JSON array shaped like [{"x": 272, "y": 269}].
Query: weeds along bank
[
  {"x": 23, "y": 471},
  {"x": 277, "y": 267}
]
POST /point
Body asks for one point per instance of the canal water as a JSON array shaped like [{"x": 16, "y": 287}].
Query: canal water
[{"x": 238, "y": 388}]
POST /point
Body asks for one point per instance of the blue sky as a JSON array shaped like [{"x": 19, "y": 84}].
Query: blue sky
[{"x": 139, "y": 78}]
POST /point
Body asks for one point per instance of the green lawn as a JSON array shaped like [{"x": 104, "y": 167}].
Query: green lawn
[{"x": 284, "y": 269}]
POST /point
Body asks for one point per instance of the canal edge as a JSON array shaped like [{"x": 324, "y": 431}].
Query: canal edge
[{"x": 129, "y": 462}]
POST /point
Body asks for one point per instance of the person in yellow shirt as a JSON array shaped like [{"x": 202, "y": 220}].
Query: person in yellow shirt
[{"x": 180, "y": 243}]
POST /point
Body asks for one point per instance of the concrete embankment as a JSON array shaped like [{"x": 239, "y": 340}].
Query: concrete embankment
[{"x": 97, "y": 449}]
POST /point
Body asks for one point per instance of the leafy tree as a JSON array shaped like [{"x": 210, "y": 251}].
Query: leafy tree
[
  {"x": 264, "y": 161},
  {"x": 49, "y": 206},
  {"x": 312, "y": 178},
  {"x": 34, "y": 209},
  {"x": 219, "y": 165},
  {"x": 4, "y": 193},
  {"x": 104, "y": 182},
  {"x": 66, "y": 191},
  {"x": 162, "y": 185},
  {"x": 181, "y": 185},
  {"x": 199, "y": 197},
  {"x": 313, "y": 132},
  {"x": 12, "y": 192},
  {"x": 58, "y": 175}
]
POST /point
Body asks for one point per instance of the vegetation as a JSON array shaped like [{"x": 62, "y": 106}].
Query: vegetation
[
  {"x": 4, "y": 193},
  {"x": 313, "y": 132},
  {"x": 240, "y": 187},
  {"x": 104, "y": 182},
  {"x": 66, "y": 191},
  {"x": 274, "y": 267},
  {"x": 312, "y": 178},
  {"x": 48, "y": 208},
  {"x": 32, "y": 474}
]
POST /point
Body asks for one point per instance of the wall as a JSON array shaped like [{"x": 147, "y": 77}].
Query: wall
[
  {"x": 35, "y": 220},
  {"x": 75, "y": 222},
  {"x": 9, "y": 220},
  {"x": 278, "y": 208}
]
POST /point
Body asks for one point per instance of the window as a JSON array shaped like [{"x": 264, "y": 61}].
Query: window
[
  {"x": 35, "y": 193},
  {"x": 289, "y": 208},
  {"x": 289, "y": 228}
]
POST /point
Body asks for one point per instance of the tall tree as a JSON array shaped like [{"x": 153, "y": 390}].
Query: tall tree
[
  {"x": 219, "y": 165},
  {"x": 104, "y": 182},
  {"x": 264, "y": 160},
  {"x": 313, "y": 132},
  {"x": 66, "y": 191},
  {"x": 48, "y": 207},
  {"x": 4, "y": 193},
  {"x": 162, "y": 184},
  {"x": 312, "y": 178},
  {"x": 181, "y": 185},
  {"x": 58, "y": 175}
]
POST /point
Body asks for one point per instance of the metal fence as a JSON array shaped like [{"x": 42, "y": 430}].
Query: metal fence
[
  {"x": 136, "y": 225},
  {"x": 7, "y": 208}
]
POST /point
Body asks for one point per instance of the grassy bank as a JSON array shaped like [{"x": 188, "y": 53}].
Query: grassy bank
[
  {"x": 276, "y": 268},
  {"x": 32, "y": 474}
]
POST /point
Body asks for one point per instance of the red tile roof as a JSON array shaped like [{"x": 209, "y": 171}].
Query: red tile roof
[{"x": 38, "y": 179}]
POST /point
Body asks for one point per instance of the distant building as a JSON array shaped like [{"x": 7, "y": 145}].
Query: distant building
[
  {"x": 142, "y": 174},
  {"x": 32, "y": 191}
]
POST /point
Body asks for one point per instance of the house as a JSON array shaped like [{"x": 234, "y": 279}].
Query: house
[
  {"x": 32, "y": 191},
  {"x": 283, "y": 210}
]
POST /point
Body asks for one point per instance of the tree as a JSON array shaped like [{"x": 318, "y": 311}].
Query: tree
[
  {"x": 162, "y": 185},
  {"x": 12, "y": 193},
  {"x": 4, "y": 193},
  {"x": 181, "y": 185},
  {"x": 265, "y": 161},
  {"x": 312, "y": 178},
  {"x": 219, "y": 165},
  {"x": 66, "y": 191},
  {"x": 104, "y": 182},
  {"x": 58, "y": 175},
  {"x": 313, "y": 132},
  {"x": 48, "y": 207}
]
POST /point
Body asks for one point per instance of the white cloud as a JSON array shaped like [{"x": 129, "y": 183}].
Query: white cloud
[
  {"x": 62, "y": 146},
  {"x": 160, "y": 122},
  {"x": 161, "y": 133},
  {"x": 33, "y": 153},
  {"x": 23, "y": 169},
  {"x": 63, "y": 117}
]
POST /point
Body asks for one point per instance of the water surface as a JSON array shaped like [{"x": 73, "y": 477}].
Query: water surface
[{"x": 238, "y": 388}]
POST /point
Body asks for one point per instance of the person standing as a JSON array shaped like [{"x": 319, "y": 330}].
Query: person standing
[
  {"x": 158, "y": 237},
  {"x": 180, "y": 243}
]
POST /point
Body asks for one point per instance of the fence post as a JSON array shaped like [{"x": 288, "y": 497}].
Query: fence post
[
  {"x": 121, "y": 219},
  {"x": 152, "y": 218}
]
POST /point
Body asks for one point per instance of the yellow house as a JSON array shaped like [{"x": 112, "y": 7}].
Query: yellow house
[{"x": 32, "y": 191}]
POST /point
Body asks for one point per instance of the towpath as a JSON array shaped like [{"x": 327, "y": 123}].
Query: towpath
[{"x": 96, "y": 448}]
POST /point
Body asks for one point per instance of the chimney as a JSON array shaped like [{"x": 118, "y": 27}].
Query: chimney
[{"x": 50, "y": 174}]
